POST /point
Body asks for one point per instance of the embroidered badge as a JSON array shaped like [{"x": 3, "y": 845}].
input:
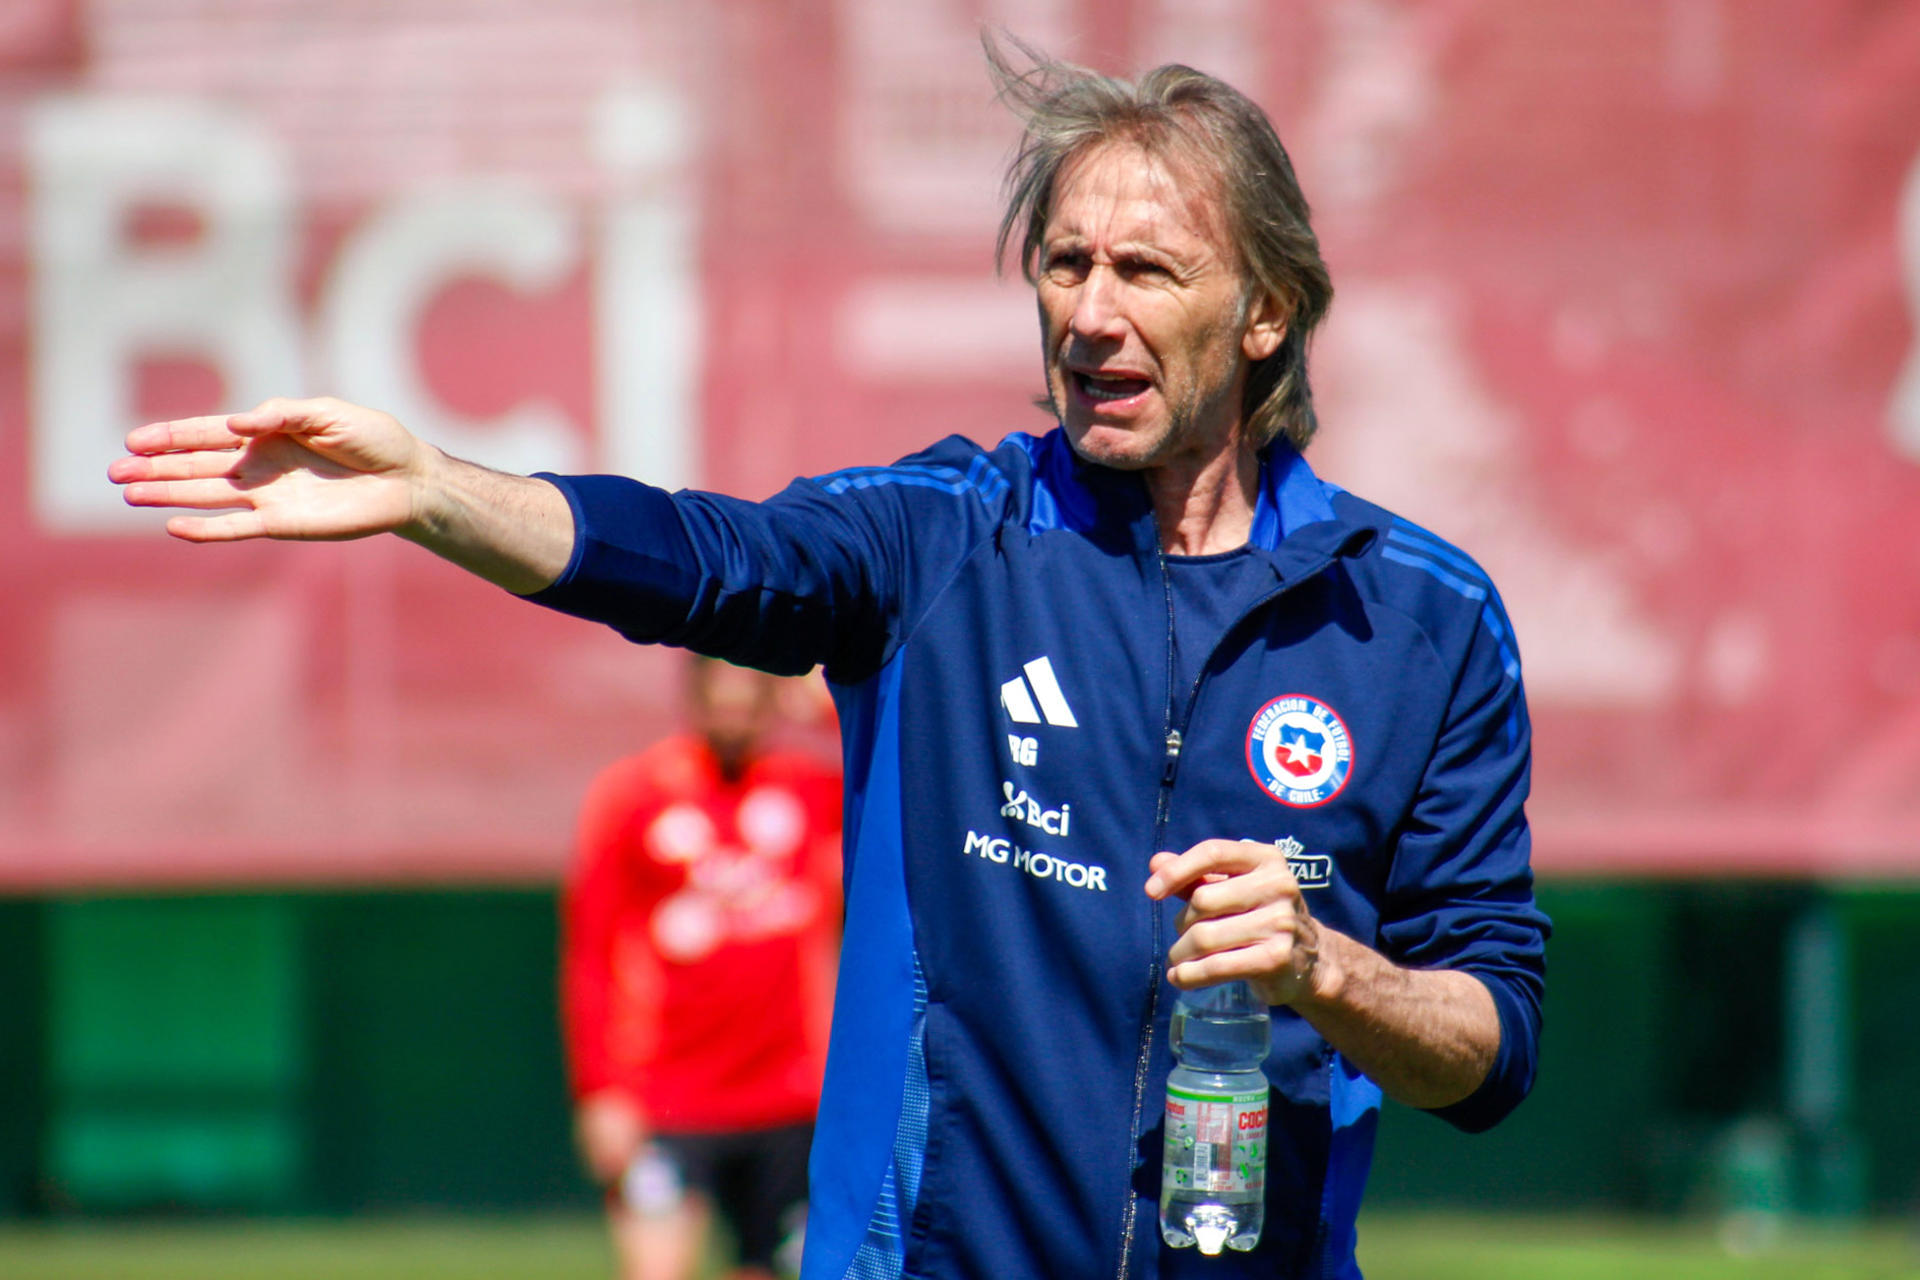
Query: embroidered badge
[{"x": 1299, "y": 751}]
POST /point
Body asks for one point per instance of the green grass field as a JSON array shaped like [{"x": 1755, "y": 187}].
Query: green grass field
[
  {"x": 1393, "y": 1247},
  {"x": 1455, "y": 1247}
]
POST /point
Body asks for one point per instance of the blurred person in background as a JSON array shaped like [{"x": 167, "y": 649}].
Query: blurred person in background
[
  {"x": 700, "y": 924},
  {"x": 1137, "y": 704}
]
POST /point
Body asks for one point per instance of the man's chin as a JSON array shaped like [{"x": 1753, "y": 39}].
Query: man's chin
[{"x": 1119, "y": 448}]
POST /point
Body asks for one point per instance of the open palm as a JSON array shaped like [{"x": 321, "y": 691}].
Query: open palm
[{"x": 315, "y": 470}]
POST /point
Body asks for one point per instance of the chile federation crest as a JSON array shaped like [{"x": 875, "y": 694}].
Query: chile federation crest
[{"x": 1299, "y": 751}]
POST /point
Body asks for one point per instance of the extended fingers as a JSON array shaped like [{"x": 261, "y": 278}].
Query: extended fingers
[
  {"x": 210, "y": 432},
  {"x": 234, "y": 526},
  {"x": 205, "y": 494},
  {"x": 231, "y": 430},
  {"x": 285, "y": 414},
  {"x": 198, "y": 465}
]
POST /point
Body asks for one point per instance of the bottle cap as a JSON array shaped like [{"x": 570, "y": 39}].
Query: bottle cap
[{"x": 1211, "y": 1236}]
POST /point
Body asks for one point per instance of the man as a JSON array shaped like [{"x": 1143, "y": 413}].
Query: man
[
  {"x": 701, "y": 921},
  {"x": 1146, "y": 647}
]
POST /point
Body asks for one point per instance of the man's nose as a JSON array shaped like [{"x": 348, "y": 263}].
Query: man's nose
[{"x": 1096, "y": 305}]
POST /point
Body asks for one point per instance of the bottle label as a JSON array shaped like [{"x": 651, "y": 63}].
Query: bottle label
[{"x": 1215, "y": 1141}]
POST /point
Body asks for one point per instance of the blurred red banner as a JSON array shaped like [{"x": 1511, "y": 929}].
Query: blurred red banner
[{"x": 1626, "y": 307}]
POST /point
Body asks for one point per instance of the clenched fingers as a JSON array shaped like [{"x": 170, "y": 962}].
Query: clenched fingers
[
  {"x": 1244, "y": 917},
  {"x": 1278, "y": 956},
  {"x": 1211, "y": 863},
  {"x": 1265, "y": 883},
  {"x": 1176, "y": 876},
  {"x": 1274, "y": 926}
]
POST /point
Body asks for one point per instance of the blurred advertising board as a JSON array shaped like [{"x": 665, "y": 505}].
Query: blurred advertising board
[{"x": 1627, "y": 299}]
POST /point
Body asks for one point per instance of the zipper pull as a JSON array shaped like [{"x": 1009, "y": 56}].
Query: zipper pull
[{"x": 1173, "y": 758}]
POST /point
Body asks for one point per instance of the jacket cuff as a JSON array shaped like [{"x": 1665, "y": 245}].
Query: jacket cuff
[
  {"x": 633, "y": 565},
  {"x": 1510, "y": 1078}
]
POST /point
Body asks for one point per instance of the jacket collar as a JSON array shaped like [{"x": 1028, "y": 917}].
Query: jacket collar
[
  {"x": 1291, "y": 497},
  {"x": 1294, "y": 521}
]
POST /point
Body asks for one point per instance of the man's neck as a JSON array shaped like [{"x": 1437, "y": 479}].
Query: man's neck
[{"x": 1206, "y": 508}]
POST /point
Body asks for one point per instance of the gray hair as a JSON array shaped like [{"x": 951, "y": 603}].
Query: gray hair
[{"x": 1192, "y": 119}]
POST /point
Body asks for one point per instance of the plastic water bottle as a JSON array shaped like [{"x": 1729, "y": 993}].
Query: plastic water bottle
[{"x": 1213, "y": 1171}]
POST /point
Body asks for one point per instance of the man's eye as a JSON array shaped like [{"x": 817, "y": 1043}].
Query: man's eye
[{"x": 1066, "y": 264}]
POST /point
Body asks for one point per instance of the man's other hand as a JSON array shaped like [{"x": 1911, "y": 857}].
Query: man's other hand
[{"x": 1244, "y": 918}]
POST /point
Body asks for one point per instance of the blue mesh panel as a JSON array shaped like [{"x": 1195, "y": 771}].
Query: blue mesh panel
[{"x": 883, "y": 1254}]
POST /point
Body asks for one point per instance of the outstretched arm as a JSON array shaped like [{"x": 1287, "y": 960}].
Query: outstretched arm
[
  {"x": 325, "y": 470},
  {"x": 1427, "y": 1037}
]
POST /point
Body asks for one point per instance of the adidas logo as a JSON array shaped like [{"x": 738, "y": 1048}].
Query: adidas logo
[{"x": 1020, "y": 696}]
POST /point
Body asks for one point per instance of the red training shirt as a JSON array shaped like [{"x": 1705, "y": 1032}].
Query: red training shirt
[{"x": 700, "y": 924}]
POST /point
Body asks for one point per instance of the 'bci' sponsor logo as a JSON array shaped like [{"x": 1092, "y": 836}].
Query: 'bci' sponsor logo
[
  {"x": 1024, "y": 807},
  {"x": 1041, "y": 866}
]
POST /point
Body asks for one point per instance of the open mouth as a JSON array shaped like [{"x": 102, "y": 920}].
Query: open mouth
[{"x": 1104, "y": 388}]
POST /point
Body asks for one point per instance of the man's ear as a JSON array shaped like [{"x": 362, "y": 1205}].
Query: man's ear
[{"x": 1266, "y": 327}]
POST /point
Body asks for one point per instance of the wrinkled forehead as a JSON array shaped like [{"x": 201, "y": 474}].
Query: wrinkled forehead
[{"x": 1128, "y": 188}]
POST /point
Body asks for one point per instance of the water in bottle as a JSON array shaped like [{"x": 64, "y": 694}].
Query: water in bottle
[{"x": 1213, "y": 1173}]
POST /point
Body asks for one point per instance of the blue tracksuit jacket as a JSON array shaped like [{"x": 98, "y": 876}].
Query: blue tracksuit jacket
[{"x": 996, "y": 625}]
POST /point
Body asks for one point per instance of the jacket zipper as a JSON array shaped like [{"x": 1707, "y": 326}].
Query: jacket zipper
[
  {"x": 1174, "y": 739},
  {"x": 1143, "y": 1058}
]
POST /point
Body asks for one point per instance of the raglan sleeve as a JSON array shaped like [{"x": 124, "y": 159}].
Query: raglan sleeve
[
  {"x": 832, "y": 570},
  {"x": 1459, "y": 892}
]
